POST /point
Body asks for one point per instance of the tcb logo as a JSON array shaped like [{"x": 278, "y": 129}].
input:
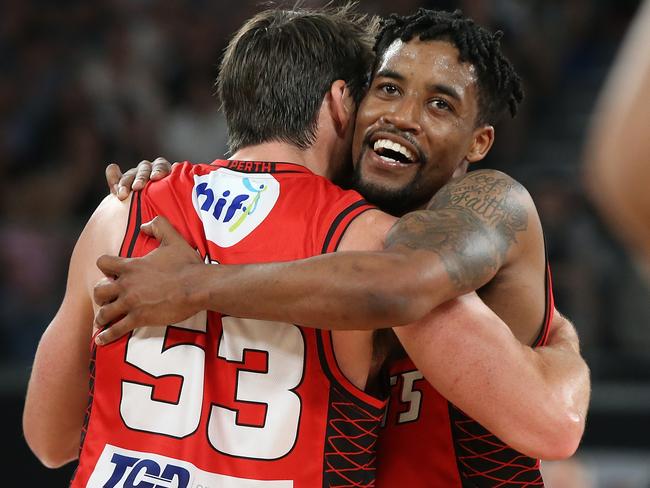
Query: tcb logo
[
  {"x": 134, "y": 472},
  {"x": 231, "y": 205}
]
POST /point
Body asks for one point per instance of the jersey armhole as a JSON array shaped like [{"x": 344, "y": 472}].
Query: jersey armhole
[
  {"x": 324, "y": 337},
  {"x": 133, "y": 226},
  {"x": 549, "y": 308}
]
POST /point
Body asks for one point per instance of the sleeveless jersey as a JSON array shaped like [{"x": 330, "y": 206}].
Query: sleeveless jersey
[
  {"x": 219, "y": 401},
  {"x": 427, "y": 442}
]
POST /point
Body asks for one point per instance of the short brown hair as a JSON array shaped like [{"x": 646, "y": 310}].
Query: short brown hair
[{"x": 279, "y": 65}]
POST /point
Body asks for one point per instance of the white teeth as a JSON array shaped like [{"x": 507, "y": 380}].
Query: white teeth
[{"x": 393, "y": 146}]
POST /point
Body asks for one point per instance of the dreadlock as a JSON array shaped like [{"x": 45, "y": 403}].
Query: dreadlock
[{"x": 499, "y": 85}]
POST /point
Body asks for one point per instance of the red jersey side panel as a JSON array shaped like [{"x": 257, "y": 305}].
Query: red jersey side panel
[
  {"x": 221, "y": 401},
  {"x": 429, "y": 443}
]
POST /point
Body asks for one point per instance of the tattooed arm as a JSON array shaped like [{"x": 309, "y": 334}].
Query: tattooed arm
[{"x": 471, "y": 229}]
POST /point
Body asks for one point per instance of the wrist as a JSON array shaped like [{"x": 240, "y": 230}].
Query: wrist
[{"x": 196, "y": 287}]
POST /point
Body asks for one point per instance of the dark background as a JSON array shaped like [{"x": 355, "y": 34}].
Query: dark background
[{"x": 86, "y": 83}]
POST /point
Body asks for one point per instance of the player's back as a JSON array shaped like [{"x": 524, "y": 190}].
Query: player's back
[{"x": 222, "y": 401}]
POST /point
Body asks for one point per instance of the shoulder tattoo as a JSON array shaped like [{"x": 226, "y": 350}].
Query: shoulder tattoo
[{"x": 471, "y": 223}]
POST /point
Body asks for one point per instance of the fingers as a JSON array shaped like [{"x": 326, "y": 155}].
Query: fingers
[
  {"x": 115, "y": 331},
  {"x": 109, "y": 313},
  {"x": 161, "y": 229},
  {"x": 105, "y": 291},
  {"x": 142, "y": 176},
  {"x": 136, "y": 178},
  {"x": 125, "y": 184},
  {"x": 113, "y": 175},
  {"x": 111, "y": 266},
  {"x": 160, "y": 168}
]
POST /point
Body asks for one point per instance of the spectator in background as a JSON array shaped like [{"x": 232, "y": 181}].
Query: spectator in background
[{"x": 617, "y": 158}]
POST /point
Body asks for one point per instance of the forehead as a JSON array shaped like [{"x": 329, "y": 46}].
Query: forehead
[{"x": 431, "y": 61}]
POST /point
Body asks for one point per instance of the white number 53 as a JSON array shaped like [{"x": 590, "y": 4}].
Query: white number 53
[{"x": 285, "y": 349}]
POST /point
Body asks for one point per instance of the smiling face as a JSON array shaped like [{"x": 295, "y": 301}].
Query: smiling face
[{"x": 416, "y": 125}]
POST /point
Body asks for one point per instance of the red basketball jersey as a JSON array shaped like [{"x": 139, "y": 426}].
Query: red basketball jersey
[
  {"x": 219, "y": 401},
  {"x": 429, "y": 443}
]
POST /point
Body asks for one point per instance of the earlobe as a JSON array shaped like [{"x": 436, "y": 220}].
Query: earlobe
[{"x": 483, "y": 140}]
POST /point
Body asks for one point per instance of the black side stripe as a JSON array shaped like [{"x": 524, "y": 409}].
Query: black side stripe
[
  {"x": 337, "y": 221},
  {"x": 136, "y": 230}
]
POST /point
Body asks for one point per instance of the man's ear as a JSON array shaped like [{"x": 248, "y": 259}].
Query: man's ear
[
  {"x": 483, "y": 140},
  {"x": 342, "y": 106}
]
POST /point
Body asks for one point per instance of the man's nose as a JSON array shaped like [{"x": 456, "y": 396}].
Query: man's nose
[{"x": 405, "y": 115}]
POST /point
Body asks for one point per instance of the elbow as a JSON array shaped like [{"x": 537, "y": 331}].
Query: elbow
[
  {"x": 52, "y": 452},
  {"x": 52, "y": 456},
  {"x": 392, "y": 308},
  {"x": 558, "y": 438},
  {"x": 564, "y": 441}
]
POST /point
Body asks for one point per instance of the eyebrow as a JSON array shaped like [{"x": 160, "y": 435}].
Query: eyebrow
[
  {"x": 436, "y": 87},
  {"x": 389, "y": 73},
  {"x": 446, "y": 90}
]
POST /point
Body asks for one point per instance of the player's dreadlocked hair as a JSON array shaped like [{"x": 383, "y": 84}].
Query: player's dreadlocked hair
[{"x": 499, "y": 85}]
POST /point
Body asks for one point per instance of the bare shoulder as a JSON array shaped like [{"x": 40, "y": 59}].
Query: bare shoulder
[
  {"x": 491, "y": 196},
  {"x": 103, "y": 234},
  {"x": 367, "y": 232}
]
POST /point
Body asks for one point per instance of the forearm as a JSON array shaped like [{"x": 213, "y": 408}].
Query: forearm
[
  {"x": 519, "y": 394},
  {"x": 345, "y": 290},
  {"x": 57, "y": 395}
]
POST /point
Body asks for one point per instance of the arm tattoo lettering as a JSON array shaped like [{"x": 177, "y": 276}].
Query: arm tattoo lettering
[{"x": 471, "y": 223}]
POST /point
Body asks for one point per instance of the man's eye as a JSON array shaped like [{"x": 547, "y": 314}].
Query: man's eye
[
  {"x": 440, "y": 104},
  {"x": 388, "y": 89}
]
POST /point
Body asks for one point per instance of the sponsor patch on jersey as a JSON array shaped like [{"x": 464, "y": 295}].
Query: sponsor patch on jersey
[
  {"x": 231, "y": 205},
  {"x": 123, "y": 468}
]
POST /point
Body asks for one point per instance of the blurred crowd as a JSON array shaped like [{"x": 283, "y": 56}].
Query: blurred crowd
[{"x": 84, "y": 83}]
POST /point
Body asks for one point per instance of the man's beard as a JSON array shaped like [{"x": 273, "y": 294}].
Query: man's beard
[{"x": 395, "y": 202}]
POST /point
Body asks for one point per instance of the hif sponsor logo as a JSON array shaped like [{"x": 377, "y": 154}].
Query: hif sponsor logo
[{"x": 231, "y": 205}]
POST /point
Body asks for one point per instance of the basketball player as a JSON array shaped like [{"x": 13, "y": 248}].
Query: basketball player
[
  {"x": 479, "y": 231},
  {"x": 220, "y": 401}
]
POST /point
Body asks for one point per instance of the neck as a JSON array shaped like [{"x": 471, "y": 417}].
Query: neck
[{"x": 313, "y": 158}]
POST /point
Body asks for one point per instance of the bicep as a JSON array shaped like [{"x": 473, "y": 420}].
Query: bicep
[
  {"x": 475, "y": 224},
  {"x": 58, "y": 386}
]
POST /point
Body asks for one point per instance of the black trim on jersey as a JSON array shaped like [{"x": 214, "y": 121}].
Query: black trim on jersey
[
  {"x": 334, "y": 380},
  {"x": 270, "y": 167},
  {"x": 547, "y": 296},
  {"x": 351, "y": 433},
  {"x": 93, "y": 353},
  {"x": 337, "y": 221},
  {"x": 138, "y": 222},
  {"x": 484, "y": 461}
]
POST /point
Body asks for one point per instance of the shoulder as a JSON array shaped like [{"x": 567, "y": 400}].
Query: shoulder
[
  {"x": 469, "y": 192},
  {"x": 103, "y": 234},
  {"x": 493, "y": 201},
  {"x": 367, "y": 232}
]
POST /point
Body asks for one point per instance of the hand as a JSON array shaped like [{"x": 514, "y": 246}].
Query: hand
[
  {"x": 152, "y": 290},
  {"x": 135, "y": 178}
]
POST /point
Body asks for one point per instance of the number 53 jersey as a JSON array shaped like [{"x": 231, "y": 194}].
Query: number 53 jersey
[{"x": 224, "y": 402}]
